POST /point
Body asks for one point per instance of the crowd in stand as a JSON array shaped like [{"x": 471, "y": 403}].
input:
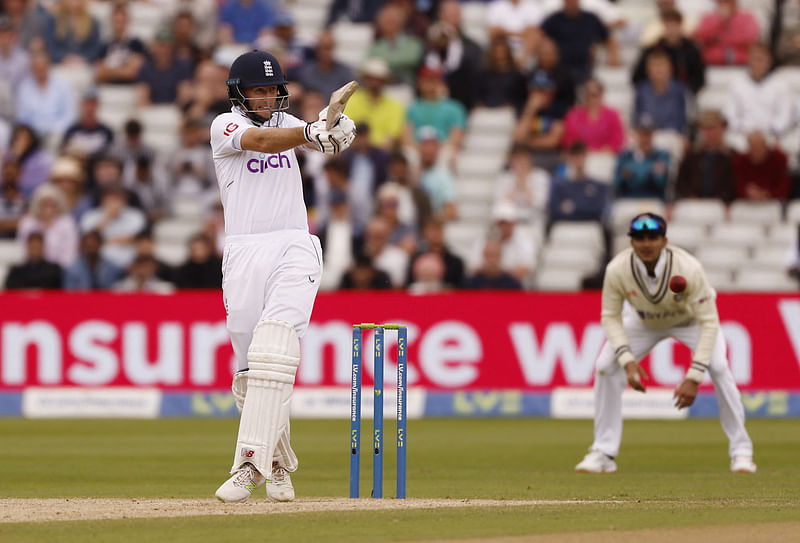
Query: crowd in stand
[{"x": 84, "y": 199}]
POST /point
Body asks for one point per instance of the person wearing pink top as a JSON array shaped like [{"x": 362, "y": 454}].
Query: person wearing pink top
[
  {"x": 595, "y": 124},
  {"x": 726, "y": 34}
]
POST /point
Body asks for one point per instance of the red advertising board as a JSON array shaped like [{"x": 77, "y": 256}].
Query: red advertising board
[{"x": 480, "y": 340}]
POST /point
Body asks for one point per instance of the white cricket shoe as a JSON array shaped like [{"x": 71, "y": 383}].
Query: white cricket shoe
[
  {"x": 240, "y": 485},
  {"x": 279, "y": 488},
  {"x": 742, "y": 464},
  {"x": 596, "y": 462}
]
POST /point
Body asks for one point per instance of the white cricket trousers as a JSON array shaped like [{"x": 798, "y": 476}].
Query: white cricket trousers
[
  {"x": 611, "y": 380},
  {"x": 269, "y": 276}
]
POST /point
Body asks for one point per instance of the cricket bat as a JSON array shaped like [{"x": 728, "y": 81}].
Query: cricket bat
[{"x": 339, "y": 99}]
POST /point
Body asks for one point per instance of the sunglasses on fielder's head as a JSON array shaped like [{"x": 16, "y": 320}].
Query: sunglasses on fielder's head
[{"x": 647, "y": 225}]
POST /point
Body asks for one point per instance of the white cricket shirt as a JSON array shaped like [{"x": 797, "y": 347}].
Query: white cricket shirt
[{"x": 260, "y": 192}]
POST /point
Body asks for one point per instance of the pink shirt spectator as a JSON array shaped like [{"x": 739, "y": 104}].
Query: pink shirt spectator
[
  {"x": 725, "y": 40},
  {"x": 601, "y": 132}
]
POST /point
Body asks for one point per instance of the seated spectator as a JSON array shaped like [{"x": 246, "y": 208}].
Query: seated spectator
[
  {"x": 67, "y": 175},
  {"x": 403, "y": 234},
  {"x": 661, "y": 97},
  {"x": 324, "y": 73},
  {"x": 707, "y": 170},
  {"x": 118, "y": 223},
  {"x": 436, "y": 177},
  {"x": 655, "y": 29},
  {"x": 128, "y": 151},
  {"x": 499, "y": 83},
  {"x": 88, "y": 136},
  {"x": 354, "y": 11},
  {"x": 12, "y": 205},
  {"x": 142, "y": 278},
  {"x": 433, "y": 243},
  {"x": 338, "y": 240},
  {"x": 762, "y": 173},
  {"x": 14, "y": 58},
  {"x": 45, "y": 101},
  {"x": 759, "y": 100},
  {"x": 518, "y": 22},
  {"x": 525, "y": 186},
  {"x": 415, "y": 204},
  {"x": 370, "y": 105},
  {"x": 25, "y": 148},
  {"x": 71, "y": 34},
  {"x": 434, "y": 108},
  {"x": 577, "y": 33},
  {"x": 145, "y": 246},
  {"x": 106, "y": 171},
  {"x": 245, "y": 21},
  {"x": 122, "y": 56},
  {"x": 383, "y": 254},
  {"x": 209, "y": 93},
  {"x": 491, "y": 274},
  {"x": 203, "y": 269},
  {"x": 687, "y": 60},
  {"x": 606, "y": 10},
  {"x": 184, "y": 37},
  {"x": 48, "y": 215},
  {"x": 724, "y": 35},
  {"x": 191, "y": 167},
  {"x": 642, "y": 171},
  {"x": 36, "y": 271},
  {"x": 363, "y": 275},
  {"x": 574, "y": 196},
  {"x": 164, "y": 79},
  {"x": 427, "y": 274},
  {"x": 366, "y": 163},
  {"x": 518, "y": 250},
  {"x": 593, "y": 123},
  {"x": 787, "y": 48},
  {"x": 150, "y": 188},
  {"x": 401, "y": 51},
  {"x": 90, "y": 270}
]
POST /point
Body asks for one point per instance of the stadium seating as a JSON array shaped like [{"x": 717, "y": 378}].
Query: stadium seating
[
  {"x": 558, "y": 279},
  {"x": 11, "y": 252},
  {"x": 699, "y": 211}
]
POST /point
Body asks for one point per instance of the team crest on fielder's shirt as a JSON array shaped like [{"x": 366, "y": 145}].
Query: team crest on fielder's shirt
[{"x": 268, "y": 68}]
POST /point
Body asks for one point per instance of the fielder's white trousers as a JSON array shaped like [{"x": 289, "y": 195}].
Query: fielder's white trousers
[{"x": 611, "y": 380}]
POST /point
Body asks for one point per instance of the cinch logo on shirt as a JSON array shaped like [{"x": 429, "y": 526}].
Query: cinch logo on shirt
[{"x": 265, "y": 162}]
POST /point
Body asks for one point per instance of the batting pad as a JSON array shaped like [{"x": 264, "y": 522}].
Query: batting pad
[{"x": 273, "y": 357}]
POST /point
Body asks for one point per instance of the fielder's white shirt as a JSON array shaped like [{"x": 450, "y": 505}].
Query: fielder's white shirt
[{"x": 260, "y": 192}]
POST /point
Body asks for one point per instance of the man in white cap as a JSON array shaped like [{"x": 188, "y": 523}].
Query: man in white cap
[{"x": 518, "y": 251}]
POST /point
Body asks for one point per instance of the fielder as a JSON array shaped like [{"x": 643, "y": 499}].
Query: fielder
[
  {"x": 271, "y": 264},
  {"x": 638, "y": 311}
]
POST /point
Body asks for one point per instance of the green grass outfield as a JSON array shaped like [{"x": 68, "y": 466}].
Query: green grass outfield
[{"x": 672, "y": 474}]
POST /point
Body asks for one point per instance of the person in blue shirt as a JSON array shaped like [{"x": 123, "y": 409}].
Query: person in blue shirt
[
  {"x": 91, "y": 271},
  {"x": 574, "y": 196},
  {"x": 642, "y": 171},
  {"x": 244, "y": 21},
  {"x": 661, "y": 96}
]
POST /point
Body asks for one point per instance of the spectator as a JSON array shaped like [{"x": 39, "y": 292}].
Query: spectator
[
  {"x": 145, "y": 246},
  {"x": 67, "y": 174},
  {"x": 401, "y": 51},
  {"x": 245, "y": 21},
  {"x": 384, "y": 255},
  {"x": 36, "y": 271},
  {"x": 293, "y": 46},
  {"x": 499, "y": 83},
  {"x": 191, "y": 168},
  {"x": 725, "y": 34},
  {"x": 401, "y": 234},
  {"x": 787, "y": 49},
  {"x": 593, "y": 123},
  {"x": 164, "y": 79},
  {"x": 91, "y": 271},
  {"x": 436, "y": 178},
  {"x": 606, "y": 10},
  {"x": 142, "y": 278},
  {"x": 366, "y": 164},
  {"x": 518, "y": 251},
  {"x": 574, "y": 196},
  {"x": 363, "y": 275},
  {"x": 184, "y": 38},
  {"x": 655, "y": 29},
  {"x": 203, "y": 269},
  {"x": 28, "y": 19},
  {"x": 14, "y": 59},
  {"x": 759, "y": 100},
  {"x": 370, "y": 104},
  {"x": 434, "y": 108},
  {"x": 643, "y": 170},
  {"x": 118, "y": 223},
  {"x": 427, "y": 274},
  {"x": 525, "y": 186},
  {"x": 577, "y": 32},
  {"x": 88, "y": 136},
  {"x": 106, "y": 171},
  {"x": 661, "y": 97},
  {"x": 12, "y": 205},
  {"x": 48, "y": 215},
  {"x": 128, "y": 151},
  {"x": 707, "y": 170},
  {"x": 354, "y": 11},
  {"x": 209, "y": 93},
  {"x": 762, "y": 173},
  {"x": 433, "y": 242},
  {"x": 45, "y": 101},
  {"x": 324, "y": 74},
  {"x": 361, "y": 197},
  {"x": 518, "y": 22},
  {"x": 71, "y": 34},
  {"x": 491, "y": 274},
  {"x": 687, "y": 60},
  {"x": 339, "y": 241},
  {"x": 34, "y": 162},
  {"x": 122, "y": 57},
  {"x": 415, "y": 204},
  {"x": 150, "y": 188},
  {"x": 205, "y": 16},
  {"x": 550, "y": 75}
]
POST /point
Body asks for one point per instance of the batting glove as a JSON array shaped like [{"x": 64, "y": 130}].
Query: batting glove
[{"x": 332, "y": 141}]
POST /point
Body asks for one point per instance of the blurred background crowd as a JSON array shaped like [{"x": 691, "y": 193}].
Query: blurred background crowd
[{"x": 501, "y": 144}]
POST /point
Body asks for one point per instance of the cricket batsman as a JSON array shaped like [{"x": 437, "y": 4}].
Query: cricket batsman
[
  {"x": 639, "y": 309},
  {"x": 271, "y": 264}
]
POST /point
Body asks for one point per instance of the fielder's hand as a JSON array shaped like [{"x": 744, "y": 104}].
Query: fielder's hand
[
  {"x": 332, "y": 141},
  {"x": 685, "y": 393},
  {"x": 635, "y": 374}
]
